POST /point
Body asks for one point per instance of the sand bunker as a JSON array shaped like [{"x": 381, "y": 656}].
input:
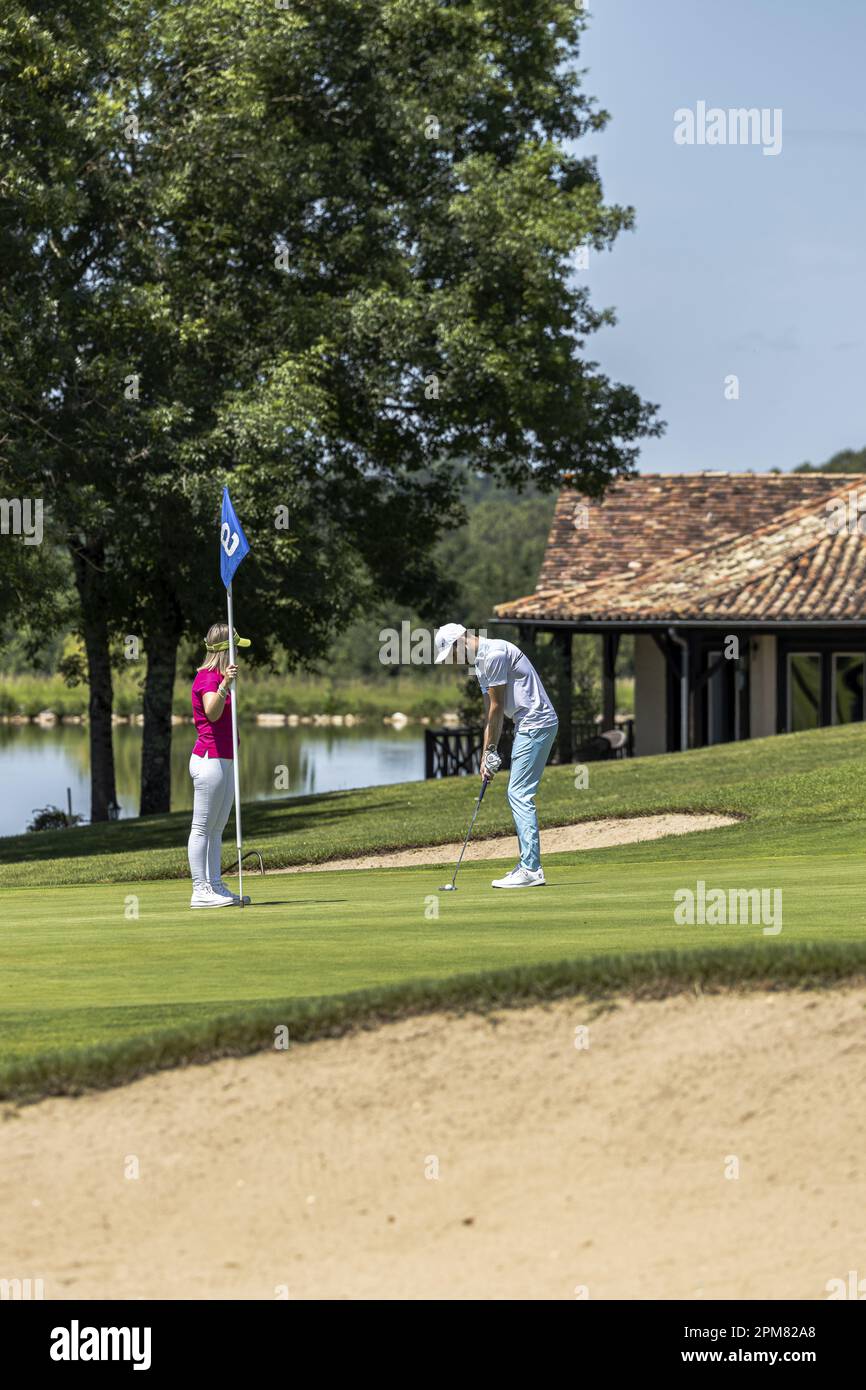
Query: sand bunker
[
  {"x": 467, "y": 1158},
  {"x": 591, "y": 834}
]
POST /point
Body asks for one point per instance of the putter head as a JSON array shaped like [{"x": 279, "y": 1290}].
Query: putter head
[{"x": 448, "y": 888}]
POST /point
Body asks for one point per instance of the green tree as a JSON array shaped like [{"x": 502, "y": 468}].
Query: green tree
[
  {"x": 845, "y": 461},
  {"x": 322, "y": 251},
  {"x": 497, "y": 554}
]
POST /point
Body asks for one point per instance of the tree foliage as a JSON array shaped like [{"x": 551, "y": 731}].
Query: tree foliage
[
  {"x": 844, "y": 461},
  {"x": 324, "y": 252}
]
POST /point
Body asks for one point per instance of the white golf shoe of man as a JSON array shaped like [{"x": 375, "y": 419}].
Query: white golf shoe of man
[{"x": 511, "y": 686}]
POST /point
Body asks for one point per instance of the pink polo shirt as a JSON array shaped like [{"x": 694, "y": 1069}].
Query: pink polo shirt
[{"x": 214, "y": 740}]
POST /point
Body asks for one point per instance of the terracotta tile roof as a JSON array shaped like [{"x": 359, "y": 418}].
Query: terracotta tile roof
[{"x": 712, "y": 547}]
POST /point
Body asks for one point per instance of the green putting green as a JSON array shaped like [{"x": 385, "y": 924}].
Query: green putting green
[{"x": 96, "y": 965}]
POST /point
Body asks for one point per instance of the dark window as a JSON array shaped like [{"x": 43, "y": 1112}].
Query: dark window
[
  {"x": 847, "y": 687},
  {"x": 804, "y": 691},
  {"x": 717, "y": 699}
]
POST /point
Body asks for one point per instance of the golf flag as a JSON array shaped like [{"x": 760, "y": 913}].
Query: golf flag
[{"x": 234, "y": 545}]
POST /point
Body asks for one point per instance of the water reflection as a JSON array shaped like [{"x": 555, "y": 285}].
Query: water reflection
[{"x": 37, "y": 765}]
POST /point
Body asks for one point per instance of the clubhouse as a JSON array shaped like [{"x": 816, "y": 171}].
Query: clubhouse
[{"x": 745, "y": 594}]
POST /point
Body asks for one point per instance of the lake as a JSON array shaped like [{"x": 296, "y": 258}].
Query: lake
[{"x": 37, "y": 765}]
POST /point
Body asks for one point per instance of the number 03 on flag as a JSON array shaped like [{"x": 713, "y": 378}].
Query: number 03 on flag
[{"x": 234, "y": 545}]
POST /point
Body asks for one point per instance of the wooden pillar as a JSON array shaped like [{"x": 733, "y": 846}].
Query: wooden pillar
[
  {"x": 526, "y": 641},
  {"x": 609, "y": 648},
  {"x": 744, "y": 688},
  {"x": 692, "y": 669},
  {"x": 429, "y": 749},
  {"x": 564, "y": 696},
  {"x": 680, "y": 651}
]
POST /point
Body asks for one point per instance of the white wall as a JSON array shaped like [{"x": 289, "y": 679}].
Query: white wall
[
  {"x": 650, "y": 704},
  {"x": 762, "y": 696}
]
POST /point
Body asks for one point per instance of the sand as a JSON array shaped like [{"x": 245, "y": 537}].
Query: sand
[
  {"x": 594, "y": 834},
  {"x": 474, "y": 1157}
]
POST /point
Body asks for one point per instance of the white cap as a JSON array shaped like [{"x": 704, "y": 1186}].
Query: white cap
[{"x": 444, "y": 640}]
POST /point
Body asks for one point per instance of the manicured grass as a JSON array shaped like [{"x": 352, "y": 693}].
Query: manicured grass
[
  {"x": 801, "y": 793},
  {"x": 93, "y": 993},
  {"x": 79, "y": 973},
  {"x": 159, "y": 1040}
]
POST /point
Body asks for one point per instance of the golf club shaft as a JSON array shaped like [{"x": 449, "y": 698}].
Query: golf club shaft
[{"x": 471, "y": 824}]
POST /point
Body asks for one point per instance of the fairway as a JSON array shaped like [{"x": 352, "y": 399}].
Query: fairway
[
  {"x": 77, "y": 972},
  {"x": 98, "y": 970}
]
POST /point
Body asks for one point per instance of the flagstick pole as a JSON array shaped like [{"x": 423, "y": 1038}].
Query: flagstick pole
[{"x": 232, "y": 654}]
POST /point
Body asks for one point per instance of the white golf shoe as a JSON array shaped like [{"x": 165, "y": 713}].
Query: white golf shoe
[
  {"x": 222, "y": 890},
  {"x": 520, "y": 878},
  {"x": 206, "y": 897}
]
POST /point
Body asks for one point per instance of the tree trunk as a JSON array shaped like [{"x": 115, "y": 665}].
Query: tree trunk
[
  {"x": 161, "y": 649},
  {"x": 87, "y": 562}
]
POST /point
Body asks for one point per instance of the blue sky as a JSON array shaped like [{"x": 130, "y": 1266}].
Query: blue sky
[{"x": 741, "y": 263}]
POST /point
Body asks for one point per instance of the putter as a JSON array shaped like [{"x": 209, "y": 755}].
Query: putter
[{"x": 495, "y": 762}]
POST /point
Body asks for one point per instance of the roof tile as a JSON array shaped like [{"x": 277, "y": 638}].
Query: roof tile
[{"x": 717, "y": 547}]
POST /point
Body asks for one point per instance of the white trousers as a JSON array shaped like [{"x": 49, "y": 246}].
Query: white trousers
[{"x": 213, "y": 793}]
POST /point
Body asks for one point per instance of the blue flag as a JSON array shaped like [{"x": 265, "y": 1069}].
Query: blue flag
[{"x": 234, "y": 545}]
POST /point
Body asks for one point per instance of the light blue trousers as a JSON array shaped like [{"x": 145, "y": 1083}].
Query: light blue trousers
[{"x": 528, "y": 760}]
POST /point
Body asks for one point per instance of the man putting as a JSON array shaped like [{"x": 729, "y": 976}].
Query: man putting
[{"x": 511, "y": 686}]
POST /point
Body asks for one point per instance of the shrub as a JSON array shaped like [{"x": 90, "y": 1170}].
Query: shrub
[{"x": 52, "y": 818}]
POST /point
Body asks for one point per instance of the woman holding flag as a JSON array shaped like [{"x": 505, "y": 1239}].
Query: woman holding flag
[
  {"x": 214, "y": 762},
  {"x": 211, "y": 767}
]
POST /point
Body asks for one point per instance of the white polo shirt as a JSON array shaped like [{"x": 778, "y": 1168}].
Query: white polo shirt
[{"x": 526, "y": 700}]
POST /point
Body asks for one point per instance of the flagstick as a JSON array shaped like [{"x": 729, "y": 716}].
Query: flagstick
[{"x": 231, "y": 616}]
